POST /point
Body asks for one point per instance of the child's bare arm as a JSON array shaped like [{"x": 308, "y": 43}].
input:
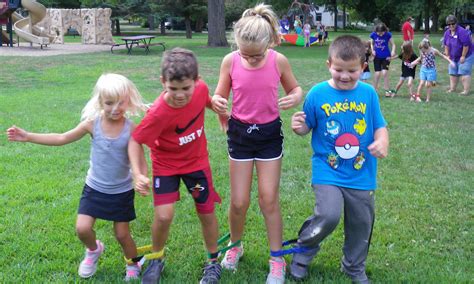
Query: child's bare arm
[
  {"x": 443, "y": 56},
  {"x": 394, "y": 47},
  {"x": 219, "y": 100},
  {"x": 51, "y": 139},
  {"x": 139, "y": 167},
  {"x": 294, "y": 93},
  {"x": 298, "y": 123},
  {"x": 379, "y": 148}
]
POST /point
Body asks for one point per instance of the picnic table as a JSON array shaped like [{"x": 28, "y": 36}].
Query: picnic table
[{"x": 142, "y": 41}]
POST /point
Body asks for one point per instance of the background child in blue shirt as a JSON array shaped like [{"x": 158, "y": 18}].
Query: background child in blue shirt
[{"x": 348, "y": 134}]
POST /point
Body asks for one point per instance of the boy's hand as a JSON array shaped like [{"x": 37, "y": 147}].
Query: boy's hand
[
  {"x": 219, "y": 104},
  {"x": 298, "y": 123},
  {"x": 379, "y": 148},
  {"x": 17, "y": 134},
  {"x": 142, "y": 185}
]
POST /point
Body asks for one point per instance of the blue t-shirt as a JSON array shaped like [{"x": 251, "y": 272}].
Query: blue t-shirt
[
  {"x": 343, "y": 124},
  {"x": 381, "y": 47}
]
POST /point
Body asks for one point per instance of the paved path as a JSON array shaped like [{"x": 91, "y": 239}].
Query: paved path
[{"x": 53, "y": 49}]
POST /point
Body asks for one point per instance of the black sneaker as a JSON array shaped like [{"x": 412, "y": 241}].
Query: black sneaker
[
  {"x": 211, "y": 273},
  {"x": 153, "y": 271}
]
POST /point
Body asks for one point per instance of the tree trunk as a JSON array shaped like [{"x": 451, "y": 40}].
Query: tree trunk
[
  {"x": 216, "y": 25},
  {"x": 334, "y": 2},
  {"x": 187, "y": 22},
  {"x": 435, "y": 18},
  {"x": 199, "y": 25},
  {"x": 151, "y": 22},
  {"x": 344, "y": 16},
  {"x": 418, "y": 22},
  {"x": 117, "y": 27},
  {"x": 162, "y": 27},
  {"x": 427, "y": 15}
]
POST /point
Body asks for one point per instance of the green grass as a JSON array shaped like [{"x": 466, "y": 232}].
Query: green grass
[{"x": 424, "y": 225}]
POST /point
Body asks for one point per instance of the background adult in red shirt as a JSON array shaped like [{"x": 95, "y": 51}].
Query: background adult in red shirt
[{"x": 407, "y": 31}]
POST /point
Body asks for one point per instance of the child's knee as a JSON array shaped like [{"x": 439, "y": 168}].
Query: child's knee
[
  {"x": 122, "y": 236},
  {"x": 239, "y": 206},
  {"x": 83, "y": 229},
  {"x": 164, "y": 217},
  {"x": 268, "y": 203}
]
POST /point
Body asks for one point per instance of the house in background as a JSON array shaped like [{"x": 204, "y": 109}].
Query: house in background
[{"x": 326, "y": 16}]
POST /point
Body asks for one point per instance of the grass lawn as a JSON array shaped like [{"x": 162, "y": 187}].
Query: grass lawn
[{"x": 424, "y": 224}]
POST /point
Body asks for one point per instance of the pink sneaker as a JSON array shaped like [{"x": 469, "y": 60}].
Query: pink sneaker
[
  {"x": 232, "y": 257},
  {"x": 133, "y": 272},
  {"x": 88, "y": 265},
  {"x": 277, "y": 271}
]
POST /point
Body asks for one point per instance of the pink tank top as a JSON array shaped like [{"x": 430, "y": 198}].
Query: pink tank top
[{"x": 255, "y": 91}]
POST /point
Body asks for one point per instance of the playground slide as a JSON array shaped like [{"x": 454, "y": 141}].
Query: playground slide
[{"x": 25, "y": 29}]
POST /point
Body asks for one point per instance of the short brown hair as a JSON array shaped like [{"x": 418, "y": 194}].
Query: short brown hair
[
  {"x": 347, "y": 47},
  {"x": 179, "y": 64}
]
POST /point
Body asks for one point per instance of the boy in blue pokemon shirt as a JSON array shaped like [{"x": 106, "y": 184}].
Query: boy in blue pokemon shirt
[{"x": 348, "y": 135}]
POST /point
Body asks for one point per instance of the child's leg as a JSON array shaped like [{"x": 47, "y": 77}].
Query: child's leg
[
  {"x": 410, "y": 85},
  {"x": 85, "y": 231},
  {"x": 376, "y": 80},
  {"x": 420, "y": 88},
  {"x": 428, "y": 90},
  {"x": 359, "y": 218},
  {"x": 240, "y": 185},
  {"x": 386, "y": 81},
  {"x": 326, "y": 216},
  {"x": 399, "y": 85},
  {"x": 123, "y": 236},
  {"x": 161, "y": 225},
  {"x": 269, "y": 200},
  {"x": 210, "y": 231}
]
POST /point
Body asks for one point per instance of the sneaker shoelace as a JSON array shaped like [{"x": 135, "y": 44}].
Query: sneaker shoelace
[
  {"x": 277, "y": 268},
  {"x": 232, "y": 254},
  {"x": 212, "y": 270}
]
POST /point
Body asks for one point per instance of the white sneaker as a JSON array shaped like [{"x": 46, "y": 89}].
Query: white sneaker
[
  {"x": 88, "y": 265},
  {"x": 232, "y": 257},
  {"x": 277, "y": 271}
]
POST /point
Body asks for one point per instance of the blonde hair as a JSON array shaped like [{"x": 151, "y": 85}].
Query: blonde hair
[
  {"x": 114, "y": 87},
  {"x": 258, "y": 25},
  {"x": 425, "y": 43}
]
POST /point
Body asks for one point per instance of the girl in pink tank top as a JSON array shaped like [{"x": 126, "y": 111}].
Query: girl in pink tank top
[{"x": 253, "y": 73}]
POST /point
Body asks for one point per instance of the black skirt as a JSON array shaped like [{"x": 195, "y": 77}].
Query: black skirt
[{"x": 111, "y": 207}]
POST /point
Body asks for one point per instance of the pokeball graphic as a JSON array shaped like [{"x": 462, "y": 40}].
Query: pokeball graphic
[{"x": 347, "y": 146}]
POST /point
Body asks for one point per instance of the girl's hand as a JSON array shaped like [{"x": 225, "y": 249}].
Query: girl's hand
[
  {"x": 289, "y": 101},
  {"x": 17, "y": 134},
  {"x": 224, "y": 121},
  {"x": 219, "y": 104},
  {"x": 142, "y": 185}
]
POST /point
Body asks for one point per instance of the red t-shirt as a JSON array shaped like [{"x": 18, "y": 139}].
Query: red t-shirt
[
  {"x": 176, "y": 136},
  {"x": 407, "y": 28}
]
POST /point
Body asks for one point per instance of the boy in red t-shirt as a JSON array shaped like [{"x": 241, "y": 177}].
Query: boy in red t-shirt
[{"x": 173, "y": 129}]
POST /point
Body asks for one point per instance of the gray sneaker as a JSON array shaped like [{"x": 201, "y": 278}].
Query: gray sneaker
[
  {"x": 211, "y": 273},
  {"x": 300, "y": 262},
  {"x": 153, "y": 272},
  {"x": 356, "y": 279}
]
